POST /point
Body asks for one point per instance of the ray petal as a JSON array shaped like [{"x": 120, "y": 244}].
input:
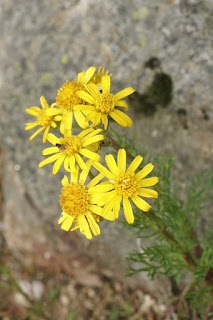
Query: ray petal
[
  {"x": 128, "y": 211},
  {"x": 123, "y": 93},
  {"x": 141, "y": 204}
]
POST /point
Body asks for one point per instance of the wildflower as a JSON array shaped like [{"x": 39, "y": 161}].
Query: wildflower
[
  {"x": 67, "y": 99},
  {"x": 80, "y": 203},
  {"x": 102, "y": 104},
  {"x": 97, "y": 77},
  {"x": 127, "y": 185},
  {"x": 71, "y": 148},
  {"x": 43, "y": 119}
]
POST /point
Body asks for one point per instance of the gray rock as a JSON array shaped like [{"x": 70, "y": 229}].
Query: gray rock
[{"x": 45, "y": 44}]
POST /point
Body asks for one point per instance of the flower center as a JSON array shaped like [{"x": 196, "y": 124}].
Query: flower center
[
  {"x": 69, "y": 145},
  {"x": 105, "y": 102},
  {"x": 67, "y": 97},
  {"x": 43, "y": 119},
  {"x": 74, "y": 199},
  {"x": 126, "y": 185}
]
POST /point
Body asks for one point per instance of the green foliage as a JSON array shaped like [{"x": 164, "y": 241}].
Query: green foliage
[
  {"x": 168, "y": 235},
  {"x": 125, "y": 142},
  {"x": 72, "y": 315}
]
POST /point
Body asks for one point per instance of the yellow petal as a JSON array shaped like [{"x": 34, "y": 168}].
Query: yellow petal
[
  {"x": 108, "y": 212},
  {"x": 141, "y": 204},
  {"x": 74, "y": 175},
  {"x": 67, "y": 164},
  {"x": 123, "y": 93},
  {"x": 93, "y": 224},
  {"x": 58, "y": 164},
  {"x": 66, "y": 225},
  {"x": 101, "y": 188},
  {"x": 122, "y": 103},
  {"x": 96, "y": 209},
  {"x": 53, "y": 139},
  {"x": 94, "y": 181},
  {"x": 144, "y": 172},
  {"x": 147, "y": 193},
  {"x": 80, "y": 118},
  {"x": 72, "y": 163},
  {"x": 121, "y": 161},
  {"x": 50, "y": 150},
  {"x": 37, "y": 109},
  {"x": 117, "y": 118},
  {"x": 36, "y": 133},
  {"x": 68, "y": 121},
  {"x": 80, "y": 161},
  {"x": 65, "y": 181},
  {"x": 84, "y": 228},
  {"x": 46, "y": 134},
  {"x": 53, "y": 111},
  {"x": 44, "y": 103},
  {"x": 31, "y": 125},
  {"x": 128, "y": 211},
  {"x": 90, "y": 154},
  {"x": 90, "y": 133},
  {"x": 83, "y": 107},
  {"x": 117, "y": 205},
  {"x": 32, "y": 112},
  {"x": 49, "y": 160},
  {"x": 86, "y": 97},
  {"x": 134, "y": 164},
  {"x": 102, "y": 198},
  {"x": 103, "y": 170},
  {"x": 62, "y": 218},
  {"x": 122, "y": 117},
  {"x": 85, "y": 132},
  {"x": 104, "y": 119},
  {"x": 149, "y": 182},
  {"x": 84, "y": 77},
  {"x": 93, "y": 90},
  {"x": 86, "y": 141},
  {"x": 105, "y": 83},
  {"x": 110, "y": 161}
]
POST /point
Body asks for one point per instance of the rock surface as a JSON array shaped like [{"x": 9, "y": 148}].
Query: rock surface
[{"x": 46, "y": 43}]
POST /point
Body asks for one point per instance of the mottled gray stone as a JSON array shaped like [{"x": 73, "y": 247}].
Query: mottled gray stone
[{"x": 45, "y": 43}]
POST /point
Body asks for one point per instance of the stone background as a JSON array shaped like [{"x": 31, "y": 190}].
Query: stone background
[{"x": 45, "y": 43}]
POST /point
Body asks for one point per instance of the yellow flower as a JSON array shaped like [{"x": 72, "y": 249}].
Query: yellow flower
[
  {"x": 71, "y": 148},
  {"x": 80, "y": 203},
  {"x": 102, "y": 104},
  {"x": 126, "y": 185},
  {"x": 43, "y": 120},
  {"x": 67, "y": 99},
  {"x": 97, "y": 77}
]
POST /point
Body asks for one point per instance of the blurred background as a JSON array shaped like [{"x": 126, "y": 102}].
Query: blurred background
[{"x": 163, "y": 49}]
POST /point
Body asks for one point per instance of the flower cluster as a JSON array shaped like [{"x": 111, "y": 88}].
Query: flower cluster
[{"x": 86, "y": 104}]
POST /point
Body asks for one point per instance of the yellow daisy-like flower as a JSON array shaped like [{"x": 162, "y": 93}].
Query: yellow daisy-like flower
[
  {"x": 102, "y": 104},
  {"x": 97, "y": 77},
  {"x": 126, "y": 185},
  {"x": 71, "y": 148},
  {"x": 43, "y": 119},
  {"x": 80, "y": 203},
  {"x": 67, "y": 99}
]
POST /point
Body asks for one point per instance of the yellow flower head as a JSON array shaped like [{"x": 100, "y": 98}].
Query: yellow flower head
[
  {"x": 80, "y": 203},
  {"x": 70, "y": 148},
  {"x": 97, "y": 77},
  {"x": 102, "y": 104},
  {"x": 67, "y": 99},
  {"x": 126, "y": 185},
  {"x": 43, "y": 119}
]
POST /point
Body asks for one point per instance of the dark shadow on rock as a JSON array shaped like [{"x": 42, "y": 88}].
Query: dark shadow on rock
[{"x": 158, "y": 94}]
